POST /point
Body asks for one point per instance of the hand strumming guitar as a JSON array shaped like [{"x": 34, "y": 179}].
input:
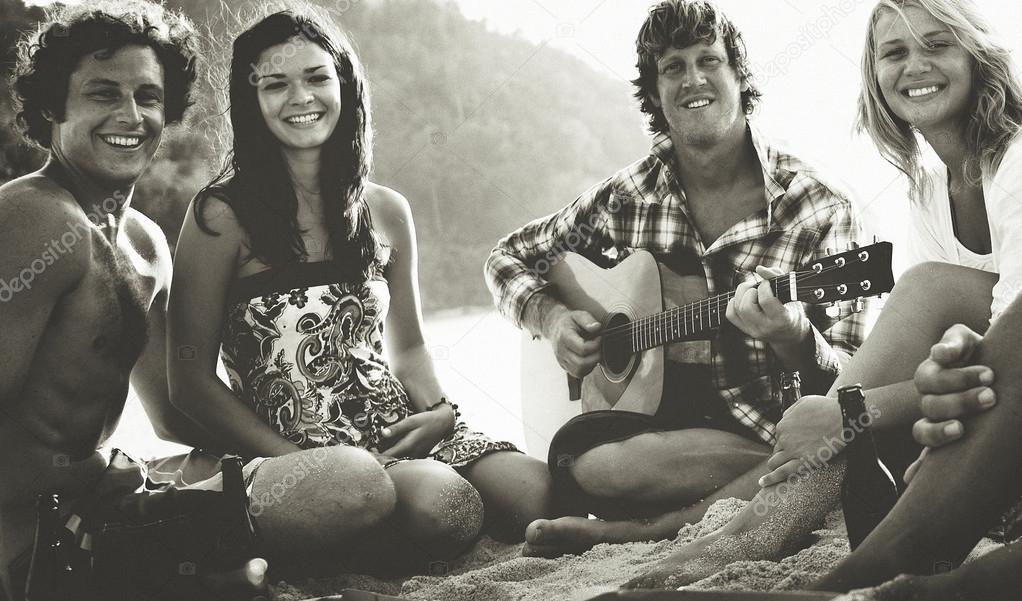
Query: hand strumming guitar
[{"x": 575, "y": 338}]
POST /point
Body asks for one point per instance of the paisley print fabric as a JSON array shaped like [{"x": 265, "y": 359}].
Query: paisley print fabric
[{"x": 303, "y": 347}]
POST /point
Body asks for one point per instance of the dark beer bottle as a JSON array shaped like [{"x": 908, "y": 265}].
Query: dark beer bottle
[
  {"x": 245, "y": 578},
  {"x": 54, "y": 574},
  {"x": 868, "y": 492},
  {"x": 791, "y": 389}
]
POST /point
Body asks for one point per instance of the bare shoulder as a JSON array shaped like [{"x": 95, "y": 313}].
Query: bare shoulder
[
  {"x": 35, "y": 209},
  {"x": 37, "y": 199},
  {"x": 216, "y": 214},
  {"x": 391, "y": 213},
  {"x": 45, "y": 237},
  {"x": 149, "y": 241}
]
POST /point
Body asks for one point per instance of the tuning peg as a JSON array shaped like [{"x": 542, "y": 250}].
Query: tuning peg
[
  {"x": 875, "y": 239},
  {"x": 852, "y": 245},
  {"x": 833, "y": 311},
  {"x": 828, "y": 251},
  {"x": 858, "y": 305}
]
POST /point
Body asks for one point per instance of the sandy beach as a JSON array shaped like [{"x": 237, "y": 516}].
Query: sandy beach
[{"x": 492, "y": 571}]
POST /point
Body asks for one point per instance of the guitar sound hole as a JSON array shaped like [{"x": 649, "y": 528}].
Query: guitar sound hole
[{"x": 617, "y": 353}]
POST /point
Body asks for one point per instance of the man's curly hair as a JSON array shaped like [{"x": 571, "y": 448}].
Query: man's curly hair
[
  {"x": 48, "y": 57},
  {"x": 680, "y": 24}
]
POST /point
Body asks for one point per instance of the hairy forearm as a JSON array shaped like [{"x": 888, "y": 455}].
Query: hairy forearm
[{"x": 541, "y": 311}]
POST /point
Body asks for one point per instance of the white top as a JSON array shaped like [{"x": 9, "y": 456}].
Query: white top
[{"x": 932, "y": 235}]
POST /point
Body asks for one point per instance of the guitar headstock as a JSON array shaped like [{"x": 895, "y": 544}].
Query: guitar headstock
[{"x": 859, "y": 272}]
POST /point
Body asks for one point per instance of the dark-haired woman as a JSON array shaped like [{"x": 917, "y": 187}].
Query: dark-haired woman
[{"x": 297, "y": 265}]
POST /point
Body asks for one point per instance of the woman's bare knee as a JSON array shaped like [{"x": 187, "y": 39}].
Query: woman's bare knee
[
  {"x": 960, "y": 294},
  {"x": 437, "y": 507},
  {"x": 320, "y": 497}
]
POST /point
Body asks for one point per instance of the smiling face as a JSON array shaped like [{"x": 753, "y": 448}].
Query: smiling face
[
  {"x": 927, "y": 84},
  {"x": 299, "y": 93},
  {"x": 700, "y": 93},
  {"x": 114, "y": 116}
]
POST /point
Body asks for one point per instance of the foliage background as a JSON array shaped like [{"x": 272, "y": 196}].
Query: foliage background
[{"x": 481, "y": 131}]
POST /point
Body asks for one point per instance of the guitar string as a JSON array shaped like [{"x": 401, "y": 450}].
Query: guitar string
[
  {"x": 647, "y": 334},
  {"x": 697, "y": 306},
  {"x": 644, "y": 326}
]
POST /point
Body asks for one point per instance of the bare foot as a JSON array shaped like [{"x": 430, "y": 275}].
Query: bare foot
[
  {"x": 563, "y": 536},
  {"x": 576, "y": 535},
  {"x": 775, "y": 523}
]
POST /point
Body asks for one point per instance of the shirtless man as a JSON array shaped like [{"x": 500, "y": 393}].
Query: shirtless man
[
  {"x": 723, "y": 198},
  {"x": 84, "y": 280}
]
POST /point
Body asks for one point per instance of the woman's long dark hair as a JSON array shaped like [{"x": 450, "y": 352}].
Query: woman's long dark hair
[{"x": 255, "y": 180}]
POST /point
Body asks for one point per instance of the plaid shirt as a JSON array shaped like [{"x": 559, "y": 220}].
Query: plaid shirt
[{"x": 643, "y": 207}]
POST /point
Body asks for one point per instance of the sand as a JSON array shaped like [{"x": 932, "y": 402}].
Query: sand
[{"x": 493, "y": 571}]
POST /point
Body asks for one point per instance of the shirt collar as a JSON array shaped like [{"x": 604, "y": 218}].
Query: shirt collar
[{"x": 663, "y": 150}]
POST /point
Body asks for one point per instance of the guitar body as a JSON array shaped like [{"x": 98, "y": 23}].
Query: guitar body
[
  {"x": 629, "y": 290},
  {"x": 653, "y": 317},
  {"x": 634, "y": 288}
]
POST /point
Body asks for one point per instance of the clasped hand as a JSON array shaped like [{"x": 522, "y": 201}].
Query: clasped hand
[
  {"x": 951, "y": 388},
  {"x": 416, "y": 434}
]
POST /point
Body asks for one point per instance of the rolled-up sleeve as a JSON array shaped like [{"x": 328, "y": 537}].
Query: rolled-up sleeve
[{"x": 516, "y": 267}]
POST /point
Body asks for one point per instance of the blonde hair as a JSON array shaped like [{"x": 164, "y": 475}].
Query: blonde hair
[{"x": 995, "y": 107}]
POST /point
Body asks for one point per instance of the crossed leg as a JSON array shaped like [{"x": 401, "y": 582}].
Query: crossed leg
[
  {"x": 644, "y": 475},
  {"x": 782, "y": 515}
]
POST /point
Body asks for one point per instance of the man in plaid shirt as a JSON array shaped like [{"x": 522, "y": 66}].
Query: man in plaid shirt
[{"x": 715, "y": 198}]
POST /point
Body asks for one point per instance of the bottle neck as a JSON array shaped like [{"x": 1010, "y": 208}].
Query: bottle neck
[{"x": 857, "y": 423}]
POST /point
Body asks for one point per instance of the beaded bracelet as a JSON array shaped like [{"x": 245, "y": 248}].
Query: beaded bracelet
[{"x": 443, "y": 401}]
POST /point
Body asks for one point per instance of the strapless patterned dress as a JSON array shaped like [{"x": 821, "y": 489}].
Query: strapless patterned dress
[{"x": 303, "y": 347}]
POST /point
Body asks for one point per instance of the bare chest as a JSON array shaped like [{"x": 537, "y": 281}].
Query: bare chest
[
  {"x": 713, "y": 213},
  {"x": 105, "y": 317}
]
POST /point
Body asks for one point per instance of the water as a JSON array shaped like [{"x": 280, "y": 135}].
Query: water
[{"x": 476, "y": 355}]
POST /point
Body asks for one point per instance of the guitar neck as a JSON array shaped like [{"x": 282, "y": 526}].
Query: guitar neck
[{"x": 691, "y": 320}]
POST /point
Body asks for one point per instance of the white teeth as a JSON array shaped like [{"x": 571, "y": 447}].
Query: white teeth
[
  {"x": 917, "y": 92},
  {"x": 304, "y": 118},
  {"x": 123, "y": 141},
  {"x": 698, "y": 104}
]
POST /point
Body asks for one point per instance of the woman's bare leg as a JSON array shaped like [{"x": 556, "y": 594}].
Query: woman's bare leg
[
  {"x": 960, "y": 489},
  {"x": 516, "y": 489}
]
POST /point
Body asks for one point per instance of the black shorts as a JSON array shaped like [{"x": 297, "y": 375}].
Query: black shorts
[{"x": 697, "y": 407}]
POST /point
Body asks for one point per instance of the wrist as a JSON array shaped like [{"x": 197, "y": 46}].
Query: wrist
[
  {"x": 445, "y": 410},
  {"x": 544, "y": 312},
  {"x": 796, "y": 349}
]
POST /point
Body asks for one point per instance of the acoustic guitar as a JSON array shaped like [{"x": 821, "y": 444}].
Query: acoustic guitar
[{"x": 649, "y": 316}]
